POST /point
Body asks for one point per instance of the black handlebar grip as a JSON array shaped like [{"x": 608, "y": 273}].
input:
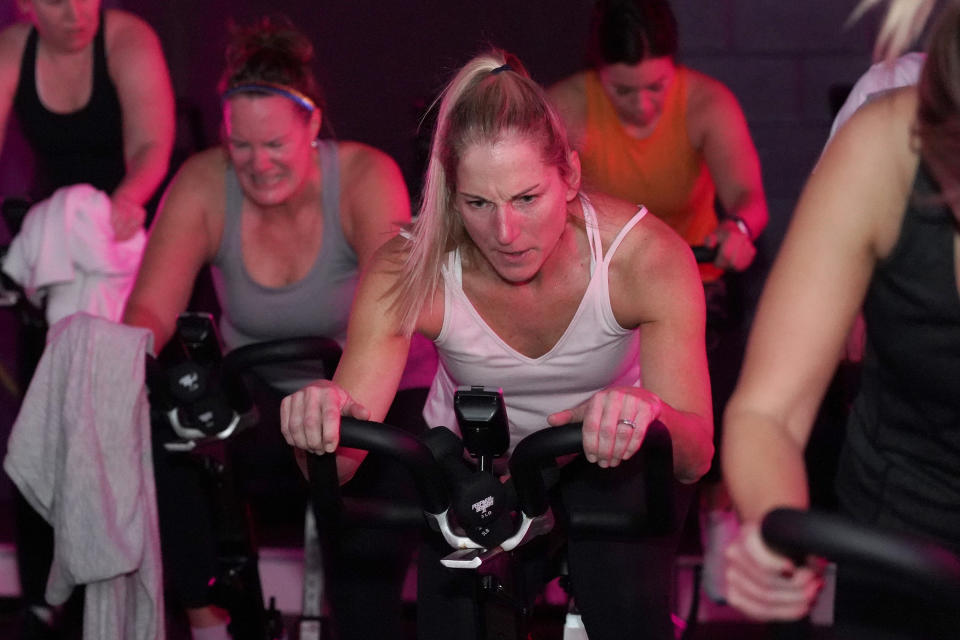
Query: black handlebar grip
[
  {"x": 406, "y": 449},
  {"x": 532, "y": 453},
  {"x": 285, "y": 350},
  {"x": 704, "y": 254},
  {"x": 544, "y": 446},
  {"x": 797, "y": 534}
]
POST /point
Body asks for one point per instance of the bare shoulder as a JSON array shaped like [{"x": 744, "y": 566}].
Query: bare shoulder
[
  {"x": 569, "y": 96},
  {"x": 872, "y": 162},
  {"x": 652, "y": 262},
  {"x": 570, "y": 92},
  {"x": 200, "y": 182},
  {"x": 890, "y": 116},
  {"x": 128, "y": 38},
  {"x": 878, "y": 140},
  {"x": 195, "y": 201},
  {"x": 709, "y": 100},
  {"x": 13, "y": 39},
  {"x": 383, "y": 278},
  {"x": 206, "y": 167},
  {"x": 650, "y": 244},
  {"x": 360, "y": 161}
]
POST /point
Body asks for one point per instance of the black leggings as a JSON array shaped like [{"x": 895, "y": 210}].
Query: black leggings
[{"x": 621, "y": 587}]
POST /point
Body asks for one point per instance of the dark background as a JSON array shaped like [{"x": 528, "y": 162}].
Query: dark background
[{"x": 381, "y": 61}]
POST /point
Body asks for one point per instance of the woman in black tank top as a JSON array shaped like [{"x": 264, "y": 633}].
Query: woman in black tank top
[
  {"x": 876, "y": 226},
  {"x": 92, "y": 96}
]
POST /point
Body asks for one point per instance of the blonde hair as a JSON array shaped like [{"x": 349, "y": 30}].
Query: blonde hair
[
  {"x": 902, "y": 25},
  {"x": 490, "y": 96}
]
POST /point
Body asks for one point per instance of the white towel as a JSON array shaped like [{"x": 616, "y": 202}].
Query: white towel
[{"x": 65, "y": 256}]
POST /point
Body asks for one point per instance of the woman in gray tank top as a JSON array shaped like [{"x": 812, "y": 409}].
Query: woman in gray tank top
[{"x": 286, "y": 221}]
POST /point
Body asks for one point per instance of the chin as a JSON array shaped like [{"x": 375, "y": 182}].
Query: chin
[{"x": 274, "y": 195}]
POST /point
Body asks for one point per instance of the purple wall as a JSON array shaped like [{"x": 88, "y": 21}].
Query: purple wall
[{"x": 380, "y": 59}]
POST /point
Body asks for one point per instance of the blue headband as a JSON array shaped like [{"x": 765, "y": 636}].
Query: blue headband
[
  {"x": 501, "y": 69},
  {"x": 275, "y": 89}
]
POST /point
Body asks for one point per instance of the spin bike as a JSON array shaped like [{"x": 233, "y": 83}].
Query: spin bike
[
  {"x": 203, "y": 399},
  {"x": 483, "y": 522}
]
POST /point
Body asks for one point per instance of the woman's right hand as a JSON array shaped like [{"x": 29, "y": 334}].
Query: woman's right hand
[
  {"x": 765, "y": 585},
  {"x": 310, "y": 418}
]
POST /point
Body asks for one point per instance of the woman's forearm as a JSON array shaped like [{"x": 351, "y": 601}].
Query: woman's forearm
[
  {"x": 692, "y": 436},
  {"x": 763, "y": 465},
  {"x": 146, "y": 169}
]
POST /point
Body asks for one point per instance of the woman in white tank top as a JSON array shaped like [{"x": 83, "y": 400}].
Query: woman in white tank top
[{"x": 517, "y": 280}]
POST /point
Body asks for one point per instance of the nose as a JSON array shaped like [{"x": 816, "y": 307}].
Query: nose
[
  {"x": 507, "y": 223},
  {"x": 647, "y": 105},
  {"x": 261, "y": 159},
  {"x": 73, "y": 9}
]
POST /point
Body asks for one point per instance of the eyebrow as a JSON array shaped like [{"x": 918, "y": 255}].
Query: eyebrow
[{"x": 516, "y": 195}]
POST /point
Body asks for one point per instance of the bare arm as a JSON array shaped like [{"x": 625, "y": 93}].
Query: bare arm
[
  {"x": 12, "y": 41},
  {"x": 848, "y": 217},
  {"x": 719, "y": 129},
  {"x": 375, "y": 201},
  {"x": 139, "y": 71},
  {"x": 366, "y": 379},
  {"x": 654, "y": 285},
  {"x": 184, "y": 236},
  {"x": 374, "y": 205},
  {"x": 667, "y": 294}
]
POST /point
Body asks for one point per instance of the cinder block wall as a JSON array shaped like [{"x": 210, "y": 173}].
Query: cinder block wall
[{"x": 780, "y": 59}]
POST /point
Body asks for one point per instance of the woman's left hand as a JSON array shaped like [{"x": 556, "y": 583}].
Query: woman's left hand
[
  {"x": 735, "y": 249},
  {"x": 615, "y": 422}
]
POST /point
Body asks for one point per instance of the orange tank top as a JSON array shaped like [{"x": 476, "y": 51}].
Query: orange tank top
[{"x": 663, "y": 171}]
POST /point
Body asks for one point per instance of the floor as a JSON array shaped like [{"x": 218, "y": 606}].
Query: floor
[{"x": 546, "y": 626}]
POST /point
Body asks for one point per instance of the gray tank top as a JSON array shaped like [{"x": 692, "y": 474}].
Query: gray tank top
[{"x": 317, "y": 305}]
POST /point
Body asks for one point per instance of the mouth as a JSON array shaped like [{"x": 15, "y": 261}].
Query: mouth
[
  {"x": 265, "y": 182},
  {"x": 512, "y": 257}
]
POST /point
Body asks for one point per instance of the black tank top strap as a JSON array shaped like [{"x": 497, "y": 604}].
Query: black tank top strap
[
  {"x": 101, "y": 72},
  {"x": 27, "y": 85}
]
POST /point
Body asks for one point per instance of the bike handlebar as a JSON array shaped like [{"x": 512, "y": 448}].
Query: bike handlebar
[
  {"x": 285, "y": 350},
  {"x": 796, "y": 534},
  {"x": 544, "y": 446},
  {"x": 526, "y": 463},
  {"x": 390, "y": 441}
]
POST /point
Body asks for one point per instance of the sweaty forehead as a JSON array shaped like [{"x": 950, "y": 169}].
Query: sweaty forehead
[{"x": 508, "y": 163}]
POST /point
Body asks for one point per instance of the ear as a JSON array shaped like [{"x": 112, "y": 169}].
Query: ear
[
  {"x": 316, "y": 119},
  {"x": 573, "y": 175}
]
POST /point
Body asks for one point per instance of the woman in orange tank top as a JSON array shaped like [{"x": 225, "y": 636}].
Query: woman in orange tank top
[{"x": 654, "y": 132}]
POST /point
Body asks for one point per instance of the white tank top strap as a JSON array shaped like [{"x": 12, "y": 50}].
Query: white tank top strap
[
  {"x": 631, "y": 223},
  {"x": 455, "y": 267},
  {"x": 593, "y": 231}
]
